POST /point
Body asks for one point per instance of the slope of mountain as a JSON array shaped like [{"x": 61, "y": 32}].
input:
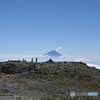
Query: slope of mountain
[
  {"x": 51, "y": 81},
  {"x": 53, "y": 53}
]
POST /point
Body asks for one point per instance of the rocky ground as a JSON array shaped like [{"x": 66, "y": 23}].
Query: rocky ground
[{"x": 53, "y": 81}]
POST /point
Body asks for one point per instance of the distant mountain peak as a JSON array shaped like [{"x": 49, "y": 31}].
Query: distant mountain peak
[{"x": 53, "y": 53}]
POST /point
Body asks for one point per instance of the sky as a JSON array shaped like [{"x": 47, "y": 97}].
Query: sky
[{"x": 34, "y": 27}]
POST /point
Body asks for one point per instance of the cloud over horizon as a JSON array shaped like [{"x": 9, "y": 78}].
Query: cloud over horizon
[
  {"x": 81, "y": 59},
  {"x": 94, "y": 65},
  {"x": 42, "y": 58}
]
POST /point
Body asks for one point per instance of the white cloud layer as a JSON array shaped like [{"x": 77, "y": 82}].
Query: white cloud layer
[
  {"x": 94, "y": 65},
  {"x": 42, "y": 58},
  {"x": 81, "y": 59},
  {"x": 18, "y": 57}
]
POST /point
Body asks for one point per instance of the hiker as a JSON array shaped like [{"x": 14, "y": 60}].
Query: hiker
[{"x": 36, "y": 60}]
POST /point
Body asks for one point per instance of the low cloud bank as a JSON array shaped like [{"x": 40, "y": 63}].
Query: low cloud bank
[
  {"x": 18, "y": 57},
  {"x": 81, "y": 59},
  {"x": 94, "y": 65},
  {"x": 88, "y": 62},
  {"x": 42, "y": 58}
]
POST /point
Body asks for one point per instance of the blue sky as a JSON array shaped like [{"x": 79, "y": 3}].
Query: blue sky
[{"x": 38, "y": 26}]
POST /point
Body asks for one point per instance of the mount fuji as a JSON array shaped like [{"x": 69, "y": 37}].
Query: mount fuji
[{"x": 53, "y": 53}]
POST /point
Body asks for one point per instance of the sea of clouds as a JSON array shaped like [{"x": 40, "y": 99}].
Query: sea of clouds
[{"x": 90, "y": 62}]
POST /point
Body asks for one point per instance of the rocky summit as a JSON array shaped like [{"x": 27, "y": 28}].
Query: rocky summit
[{"x": 47, "y": 80}]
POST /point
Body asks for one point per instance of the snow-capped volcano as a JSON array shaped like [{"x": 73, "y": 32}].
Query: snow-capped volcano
[{"x": 53, "y": 53}]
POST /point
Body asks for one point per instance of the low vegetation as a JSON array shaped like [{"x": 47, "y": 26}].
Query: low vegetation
[{"x": 55, "y": 79}]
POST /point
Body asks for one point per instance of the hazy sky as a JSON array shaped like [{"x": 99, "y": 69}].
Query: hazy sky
[{"x": 38, "y": 26}]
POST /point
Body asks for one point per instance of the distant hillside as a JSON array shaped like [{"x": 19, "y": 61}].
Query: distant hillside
[{"x": 50, "y": 81}]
